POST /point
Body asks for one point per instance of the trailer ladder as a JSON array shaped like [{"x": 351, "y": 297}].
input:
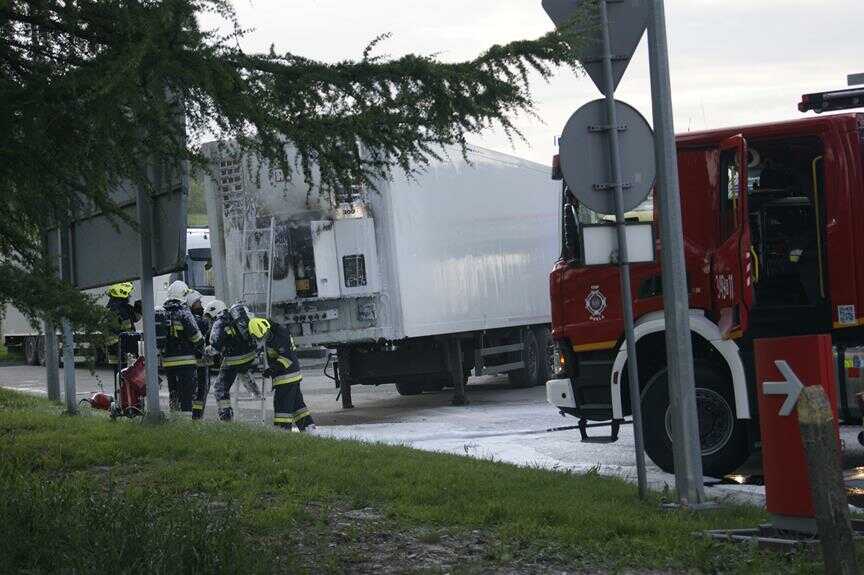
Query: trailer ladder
[{"x": 258, "y": 248}]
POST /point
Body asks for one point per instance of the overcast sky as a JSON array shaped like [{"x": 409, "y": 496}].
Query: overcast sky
[{"x": 733, "y": 61}]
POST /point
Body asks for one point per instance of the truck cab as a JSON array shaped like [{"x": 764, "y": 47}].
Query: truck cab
[{"x": 772, "y": 247}]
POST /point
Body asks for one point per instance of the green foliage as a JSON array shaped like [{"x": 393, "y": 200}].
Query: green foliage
[
  {"x": 78, "y": 525},
  {"x": 266, "y": 481},
  {"x": 94, "y": 91}
]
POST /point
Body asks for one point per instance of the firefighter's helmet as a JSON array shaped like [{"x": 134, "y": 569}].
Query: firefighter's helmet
[
  {"x": 122, "y": 290},
  {"x": 214, "y": 309},
  {"x": 259, "y": 327},
  {"x": 178, "y": 291},
  {"x": 193, "y": 297}
]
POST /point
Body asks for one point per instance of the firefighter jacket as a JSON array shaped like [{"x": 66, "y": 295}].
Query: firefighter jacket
[
  {"x": 226, "y": 338},
  {"x": 183, "y": 340},
  {"x": 125, "y": 313},
  {"x": 204, "y": 328},
  {"x": 282, "y": 356}
]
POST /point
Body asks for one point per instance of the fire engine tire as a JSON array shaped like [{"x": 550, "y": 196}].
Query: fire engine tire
[
  {"x": 724, "y": 437},
  {"x": 409, "y": 387},
  {"x": 530, "y": 375}
]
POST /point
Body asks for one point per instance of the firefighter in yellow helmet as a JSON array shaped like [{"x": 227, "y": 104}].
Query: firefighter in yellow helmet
[
  {"x": 284, "y": 369},
  {"x": 127, "y": 316}
]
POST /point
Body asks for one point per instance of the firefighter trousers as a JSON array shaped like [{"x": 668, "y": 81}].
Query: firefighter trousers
[
  {"x": 181, "y": 387},
  {"x": 288, "y": 406},
  {"x": 227, "y": 376},
  {"x": 202, "y": 389}
]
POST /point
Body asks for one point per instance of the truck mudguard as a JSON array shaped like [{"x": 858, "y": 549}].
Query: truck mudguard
[{"x": 656, "y": 322}]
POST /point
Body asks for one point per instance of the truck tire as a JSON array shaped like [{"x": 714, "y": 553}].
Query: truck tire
[
  {"x": 547, "y": 354},
  {"x": 723, "y": 436},
  {"x": 529, "y": 376},
  {"x": 409, "y": 387}
]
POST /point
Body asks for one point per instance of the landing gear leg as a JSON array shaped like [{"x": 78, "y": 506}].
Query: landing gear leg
[
  {"x": 342, "y": 371},
  {"x": 453, "y": 359}
]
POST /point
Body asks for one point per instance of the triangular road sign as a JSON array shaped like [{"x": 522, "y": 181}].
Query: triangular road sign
[{"x": 628, "y": 20}]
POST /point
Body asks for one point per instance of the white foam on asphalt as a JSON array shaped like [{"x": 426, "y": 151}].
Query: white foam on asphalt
[{"x": 517, "y": 434}]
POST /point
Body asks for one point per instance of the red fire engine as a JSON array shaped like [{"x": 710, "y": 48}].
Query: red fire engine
[{"x": 774, "y": 245}]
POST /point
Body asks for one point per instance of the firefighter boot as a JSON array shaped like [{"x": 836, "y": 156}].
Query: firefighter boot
[{"x": 226, "y": 414}]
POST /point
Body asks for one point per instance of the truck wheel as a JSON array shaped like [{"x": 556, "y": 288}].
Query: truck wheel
[
  {"x": 529, "y": 376},
  {"x": 722, "y": 434},
  {"x": 31, "y": 350},
  {"x": 547, "y": 354},
  {"x": 409, "y": 388}
]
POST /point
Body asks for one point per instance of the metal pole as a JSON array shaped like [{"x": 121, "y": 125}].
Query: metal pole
[
  {"x": 623, "y": 259},
  {"x": 68, "y": 338},
  {"x": 52, "y": 363},
  {"x": 679, "y": 349},
  {"x": 52, "y": 367},
  {"x": 271, "y": 253},
  {"x": 69, "y": 368},
  {"x": 148, "y": 309}
]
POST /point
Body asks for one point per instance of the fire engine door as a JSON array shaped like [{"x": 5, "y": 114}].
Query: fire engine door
[{"x": 733, "y": 268}]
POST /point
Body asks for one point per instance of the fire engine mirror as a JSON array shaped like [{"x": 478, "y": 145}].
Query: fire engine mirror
[{"x": 601, "y": 244}]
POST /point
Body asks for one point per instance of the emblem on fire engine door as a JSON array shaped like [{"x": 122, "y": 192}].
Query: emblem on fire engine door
[{"x": 595, "y": 303}]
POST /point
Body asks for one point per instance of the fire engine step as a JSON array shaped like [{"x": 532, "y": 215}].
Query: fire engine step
[{"x": 612, "y": 438}]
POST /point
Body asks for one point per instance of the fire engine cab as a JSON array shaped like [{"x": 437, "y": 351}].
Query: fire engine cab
[{"x": 774, "y": 246}]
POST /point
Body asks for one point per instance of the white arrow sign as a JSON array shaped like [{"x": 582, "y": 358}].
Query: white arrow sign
[{"x": 791, "y": 388}]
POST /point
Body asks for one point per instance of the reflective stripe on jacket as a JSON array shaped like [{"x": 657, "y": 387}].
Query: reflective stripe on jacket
[
  {"x": 179, "y": 360},
  {"x": 228, "y": 341}
]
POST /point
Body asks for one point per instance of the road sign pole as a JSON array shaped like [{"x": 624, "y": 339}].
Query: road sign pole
[
  {"x": 148, "y": 310},
  {"x": 52, "y": 368},
  {"x": 623, "y": 260},
  {"x": 679, "y": 349},
  {"x": 68, "y": 338}
]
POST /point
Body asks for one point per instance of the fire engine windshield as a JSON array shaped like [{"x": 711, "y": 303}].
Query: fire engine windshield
[{"x": 574, "y": 216}]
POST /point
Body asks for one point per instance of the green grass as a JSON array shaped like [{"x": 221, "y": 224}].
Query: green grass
[
  {"x": 7, "y": 354},
  {"x": 197, "y": 220},
  {"x": 83, "y": 494}
]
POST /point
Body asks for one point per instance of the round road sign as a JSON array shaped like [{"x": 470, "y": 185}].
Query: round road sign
[{"x": 586, "y": 157}]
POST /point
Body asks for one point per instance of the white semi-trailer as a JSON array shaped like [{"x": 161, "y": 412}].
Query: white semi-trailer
[
  {"x": 418, "y": 282},
  {"x": 19, "y": 333}
]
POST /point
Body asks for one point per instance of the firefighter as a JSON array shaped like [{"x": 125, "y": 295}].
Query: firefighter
[
  {"x": 127, "y": 316},
  {"x": 229, "y": 338},
  {"x": 202, "y": 373},
  {"x": 183, "y": 344},
  {"x": 283, "y": 367}
]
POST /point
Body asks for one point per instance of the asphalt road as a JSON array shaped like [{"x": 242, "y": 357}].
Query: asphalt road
[{"x": 512, "y": 425}]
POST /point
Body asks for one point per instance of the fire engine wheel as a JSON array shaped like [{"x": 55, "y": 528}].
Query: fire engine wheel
[{"x": 723, "y": 436}]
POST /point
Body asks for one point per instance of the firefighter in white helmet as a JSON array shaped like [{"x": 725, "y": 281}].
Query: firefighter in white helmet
[
  {"x": 284, "y": 369},
  {"x": 183, "y": 343},
  {"x": 202, "y": 371}
]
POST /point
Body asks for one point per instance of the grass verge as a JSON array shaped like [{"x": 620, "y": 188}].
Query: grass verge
[
  {"x": 83, "y": 494},
  {"x": 197, "y": 220}
]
